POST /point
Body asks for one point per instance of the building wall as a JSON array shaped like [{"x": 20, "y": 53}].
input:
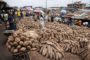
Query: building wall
[{"x": 77, "y": 5}]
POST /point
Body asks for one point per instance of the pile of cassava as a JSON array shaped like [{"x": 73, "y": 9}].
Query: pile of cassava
[
  {"x": 52, "y": 42},
  {"x": 22, "y": 41}
]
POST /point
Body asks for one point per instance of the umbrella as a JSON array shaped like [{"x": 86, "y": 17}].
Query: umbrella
[
  {"x": 36, "y": 10},
  {"x": 29, "y": 8},
  {"x": 39, "y": 11}
]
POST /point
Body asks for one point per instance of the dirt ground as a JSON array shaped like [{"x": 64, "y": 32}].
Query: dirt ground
[{"x": 5, "y": 54}]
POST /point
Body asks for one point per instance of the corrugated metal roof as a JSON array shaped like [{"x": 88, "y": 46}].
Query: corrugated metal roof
[
  {"x": 82, "y": 14},
  {"x": 87, "y": 5}
]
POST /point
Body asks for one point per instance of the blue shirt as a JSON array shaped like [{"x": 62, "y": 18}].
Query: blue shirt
[{"x": 10, "y": 19}]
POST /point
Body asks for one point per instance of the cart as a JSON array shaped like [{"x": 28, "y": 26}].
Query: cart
[
  {"x": 8, "y": 32},
  {"x": 17, "y": 56},
  {"x": 21, "y": 56}
]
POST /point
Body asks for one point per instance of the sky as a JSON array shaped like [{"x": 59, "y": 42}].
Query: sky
[{"x": 42, "y": 3}]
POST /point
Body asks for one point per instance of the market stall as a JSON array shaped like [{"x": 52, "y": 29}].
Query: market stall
[{"x": 82, "y": 18}]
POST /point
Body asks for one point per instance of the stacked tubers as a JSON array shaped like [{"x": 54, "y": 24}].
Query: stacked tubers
[
  {"x": 52, "y": 42},
  {"x": 51, "y": 50},
  {"x": 71, "y": 46},
  {"x": 22, "y": 41}
]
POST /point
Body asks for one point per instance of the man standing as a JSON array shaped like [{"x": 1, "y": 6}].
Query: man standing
[
  {"x": 19, "y": 14},
  {"x": 42, "y": 22},
  {"x": 63, "y": 13},
  {"x": 11, "y": 22}
]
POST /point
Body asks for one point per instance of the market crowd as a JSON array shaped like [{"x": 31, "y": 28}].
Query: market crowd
[{"x": 10, "y": 17}]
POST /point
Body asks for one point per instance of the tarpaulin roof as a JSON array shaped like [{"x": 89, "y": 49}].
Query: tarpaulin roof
[
  {"x": 6, "y": 8},
  {"x": 83, "y": 14}
]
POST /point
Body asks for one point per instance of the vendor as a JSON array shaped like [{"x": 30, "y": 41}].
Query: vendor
[
  {"x": 85, "y": 24},
  {"x": 11, "y": 22},
  {"x": 63, "y": 13},
  {"x": 19, "y": 14},
  {"x": 5, "y": 18},
  {"x": 52, "y": 17},
  {"x": 42, "y": 22}
]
